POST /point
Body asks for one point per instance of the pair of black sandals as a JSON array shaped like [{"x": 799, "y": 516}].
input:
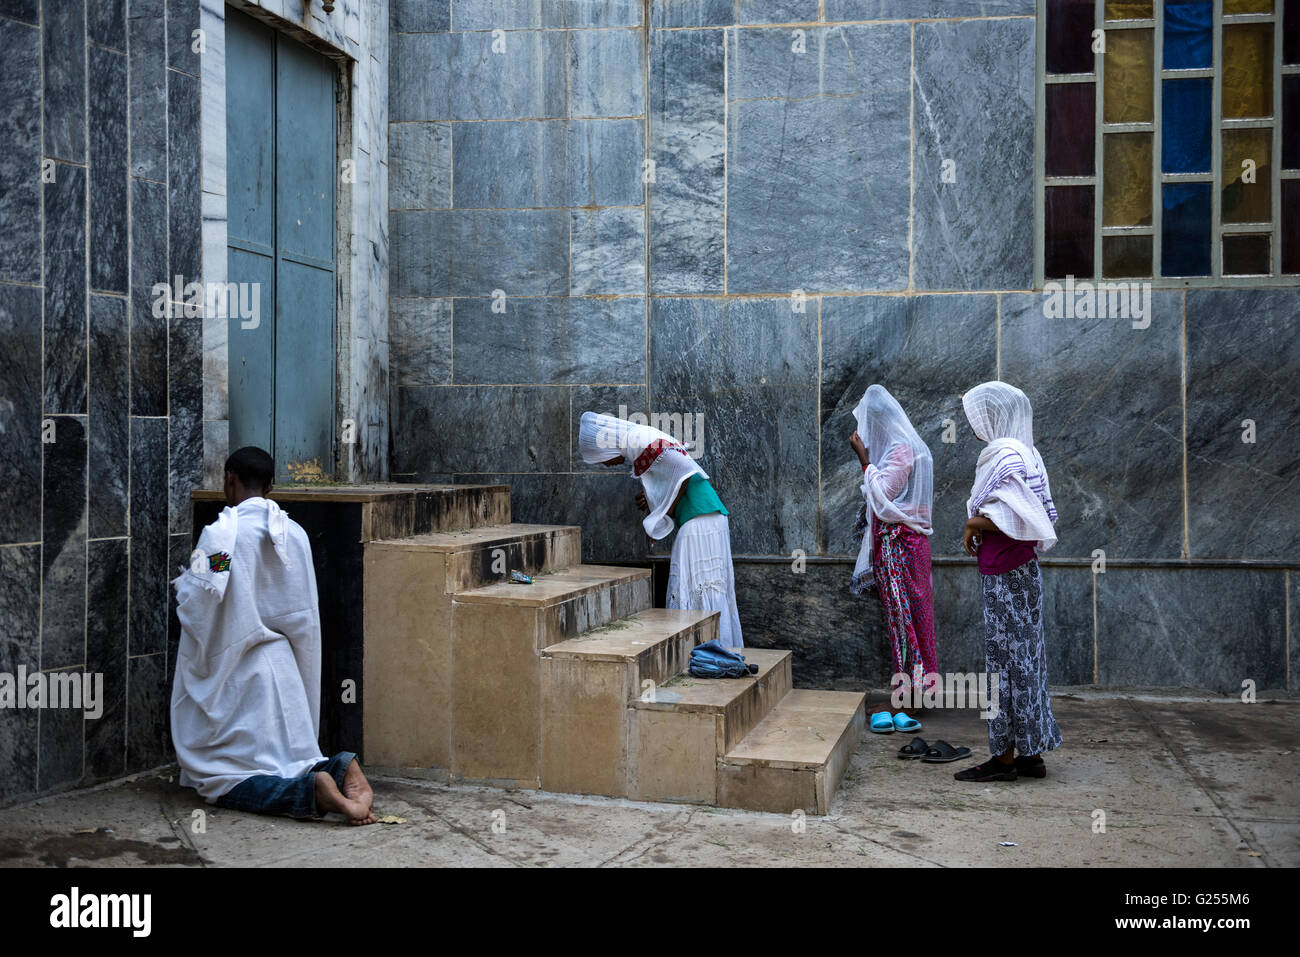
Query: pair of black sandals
[{"x": 941, "y": 752}]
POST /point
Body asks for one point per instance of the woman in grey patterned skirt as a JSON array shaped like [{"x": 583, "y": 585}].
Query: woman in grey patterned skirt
[{"x": 1011, "y": 521}]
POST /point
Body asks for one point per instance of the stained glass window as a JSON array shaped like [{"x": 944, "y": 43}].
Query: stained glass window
[{"x": 1171, "y": 139}]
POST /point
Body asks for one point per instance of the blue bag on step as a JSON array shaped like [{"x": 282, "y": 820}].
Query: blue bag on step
[{"x": 712, "y": 660}]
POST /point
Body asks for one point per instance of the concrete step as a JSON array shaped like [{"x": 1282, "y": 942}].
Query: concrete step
[
  {"x": 385, "y": 509},
  {"x": 498, "y": 634},
  {"x": 407, "y": 624},
  {"x": 488, "y": 554},
  {"x": 687, "y": 724},
  {"x": 589, "y": 687},
  {"x": 794, "y": 758}
]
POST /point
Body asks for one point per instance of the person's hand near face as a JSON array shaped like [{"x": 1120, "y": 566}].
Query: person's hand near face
[{"x": 859, "y": 449}]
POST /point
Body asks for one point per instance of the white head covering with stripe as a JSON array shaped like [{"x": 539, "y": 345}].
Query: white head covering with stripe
[
  {"x": 1011, "y": 486},
  {"x": 657, "y": 459}
]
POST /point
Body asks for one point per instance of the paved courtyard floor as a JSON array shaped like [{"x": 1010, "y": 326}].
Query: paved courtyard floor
[{"x": 1182, "y": 779}]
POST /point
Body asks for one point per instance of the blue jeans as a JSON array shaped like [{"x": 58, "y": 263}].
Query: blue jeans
[{"x": 296, "y": 797}]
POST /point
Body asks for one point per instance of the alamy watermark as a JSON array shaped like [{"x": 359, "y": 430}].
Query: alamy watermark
[
  {"x": 1103, "y": 300},
  {"x": 219, "y": 300},
  {"x": 58, "y": 689},
  {"x": 685, "y": 427},
  {"x": 951, "y": 690}
]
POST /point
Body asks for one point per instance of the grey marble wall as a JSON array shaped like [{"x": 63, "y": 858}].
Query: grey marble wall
[
  {"x": 112, "y": 148},
  {"x": 751, "y": 210},
  {"x": 101, "y": 400}
]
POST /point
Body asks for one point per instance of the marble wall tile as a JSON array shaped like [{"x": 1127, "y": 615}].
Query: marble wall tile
[
  {"x": 20, "y": 618},
  {"x": 607, "y": 251},
  {"x": 419, "y": 165},
  {"x": 420, "y": 16},
  {"x": 29, "y": 11},
  {"x": 605, "y": 159},
  {"x": 64, "y": 83},
  {"x": 421, "y": 415},
  {"x": 749, "y": 368},
  {"x": 216, "y": 446},
  {"x": 527, "y": 80},
  {"x": 106, "y": 25},
  {"x": 106, "y": 630},
  {"x": 148, "y": 743},
  {"x": 926, "y": 350},
  {"x": 148, "y": 266},
  {"x": 790, "y": 225},
  {"x": 148, "y": 625},
  {"x": 959, "y": 629},
  {"x": 529, "y": 163},
  {"x": 184, "y": 179},
  {"x": 148, "y": 86},
  {"x": 20, "y": 607},
  {"x": 1191, "y": 627},
  {"x": 1294, "y": 645},
  {"x": 213, "y": 99},
  {"x": 182, "y": 21},
  {"x": 216, "y": 331},
  {"x": 473, "y": 252},
  {"x": 63, "y": 568},
  {"x": 420, "y": 76},
  {"x": 65, "y": 291},
  {"x": 976, "y": 232},
  {"x": 925, "y": 9},
  {"x": 607, "y": 400},
  {"x": 764, "y": 63},
  {"x": 147, "y": 9},
  {"x": 687, "y": 145},
  {"x": 1243, "y": 360},
  {"x": 604, "y": 504},
  {"x": 777, "y": 11},
  {"x": 20, "y": 413},
  {"x": 108, "y": 170},
  {"x": 419, "y": 341},
  {"x": 1107, "y": 420},
  {"x": 62, "y": 749},
  {"x": 958, "y": 617},
  {"x": 606, "y": 73},
  {"x": 20, "y": 160},
  {"x": 549, "y": 341},
  {"x": 692, "y": 13},
  {"x": 185, "y": 399},
  {"x": 179, "y": 549},
  {"x": 838, "y": 641},
  {"x": 523, "y": 14}
]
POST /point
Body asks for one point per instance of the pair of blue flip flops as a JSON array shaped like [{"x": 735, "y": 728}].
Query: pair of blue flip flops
[{"x": 882, "y": 722}]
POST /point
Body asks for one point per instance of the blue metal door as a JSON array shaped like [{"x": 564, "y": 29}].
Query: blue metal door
[{"x": 280, "y": 162}]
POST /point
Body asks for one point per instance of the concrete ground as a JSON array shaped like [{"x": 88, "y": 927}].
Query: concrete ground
[{"x": 1182, "y": 780}]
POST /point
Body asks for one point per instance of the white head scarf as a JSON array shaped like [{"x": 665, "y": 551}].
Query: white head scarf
[
  {"x": 898, "y": 485},
  {"x": 1011, "y": 486},
  {"x": 657, "y": 459}
]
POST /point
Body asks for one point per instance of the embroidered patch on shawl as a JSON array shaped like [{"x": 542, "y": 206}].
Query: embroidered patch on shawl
[
  {"x": 652, "y": 452},
  {"x": 219, "y": 562}
]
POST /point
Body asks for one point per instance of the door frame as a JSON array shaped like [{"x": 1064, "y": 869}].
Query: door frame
[{"x": 356, "y": 344}]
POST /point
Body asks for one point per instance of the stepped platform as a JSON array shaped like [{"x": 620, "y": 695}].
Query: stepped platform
[{"x": 573, "y": 683}]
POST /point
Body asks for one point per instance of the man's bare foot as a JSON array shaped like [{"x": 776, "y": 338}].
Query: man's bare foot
[
  {"x": 357, "y": 788},
  {"x": 330, "y": 798}
]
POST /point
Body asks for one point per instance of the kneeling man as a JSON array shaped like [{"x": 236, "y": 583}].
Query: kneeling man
[{"x": 246, "y": 698}]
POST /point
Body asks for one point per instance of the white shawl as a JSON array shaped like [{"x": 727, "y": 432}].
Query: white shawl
[
  {"x": 898, "y": 484},
  {"x": 1011, "y": 487},
  {"x": 246, "y": 697},
  {"x": 657, "y": 459}
]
